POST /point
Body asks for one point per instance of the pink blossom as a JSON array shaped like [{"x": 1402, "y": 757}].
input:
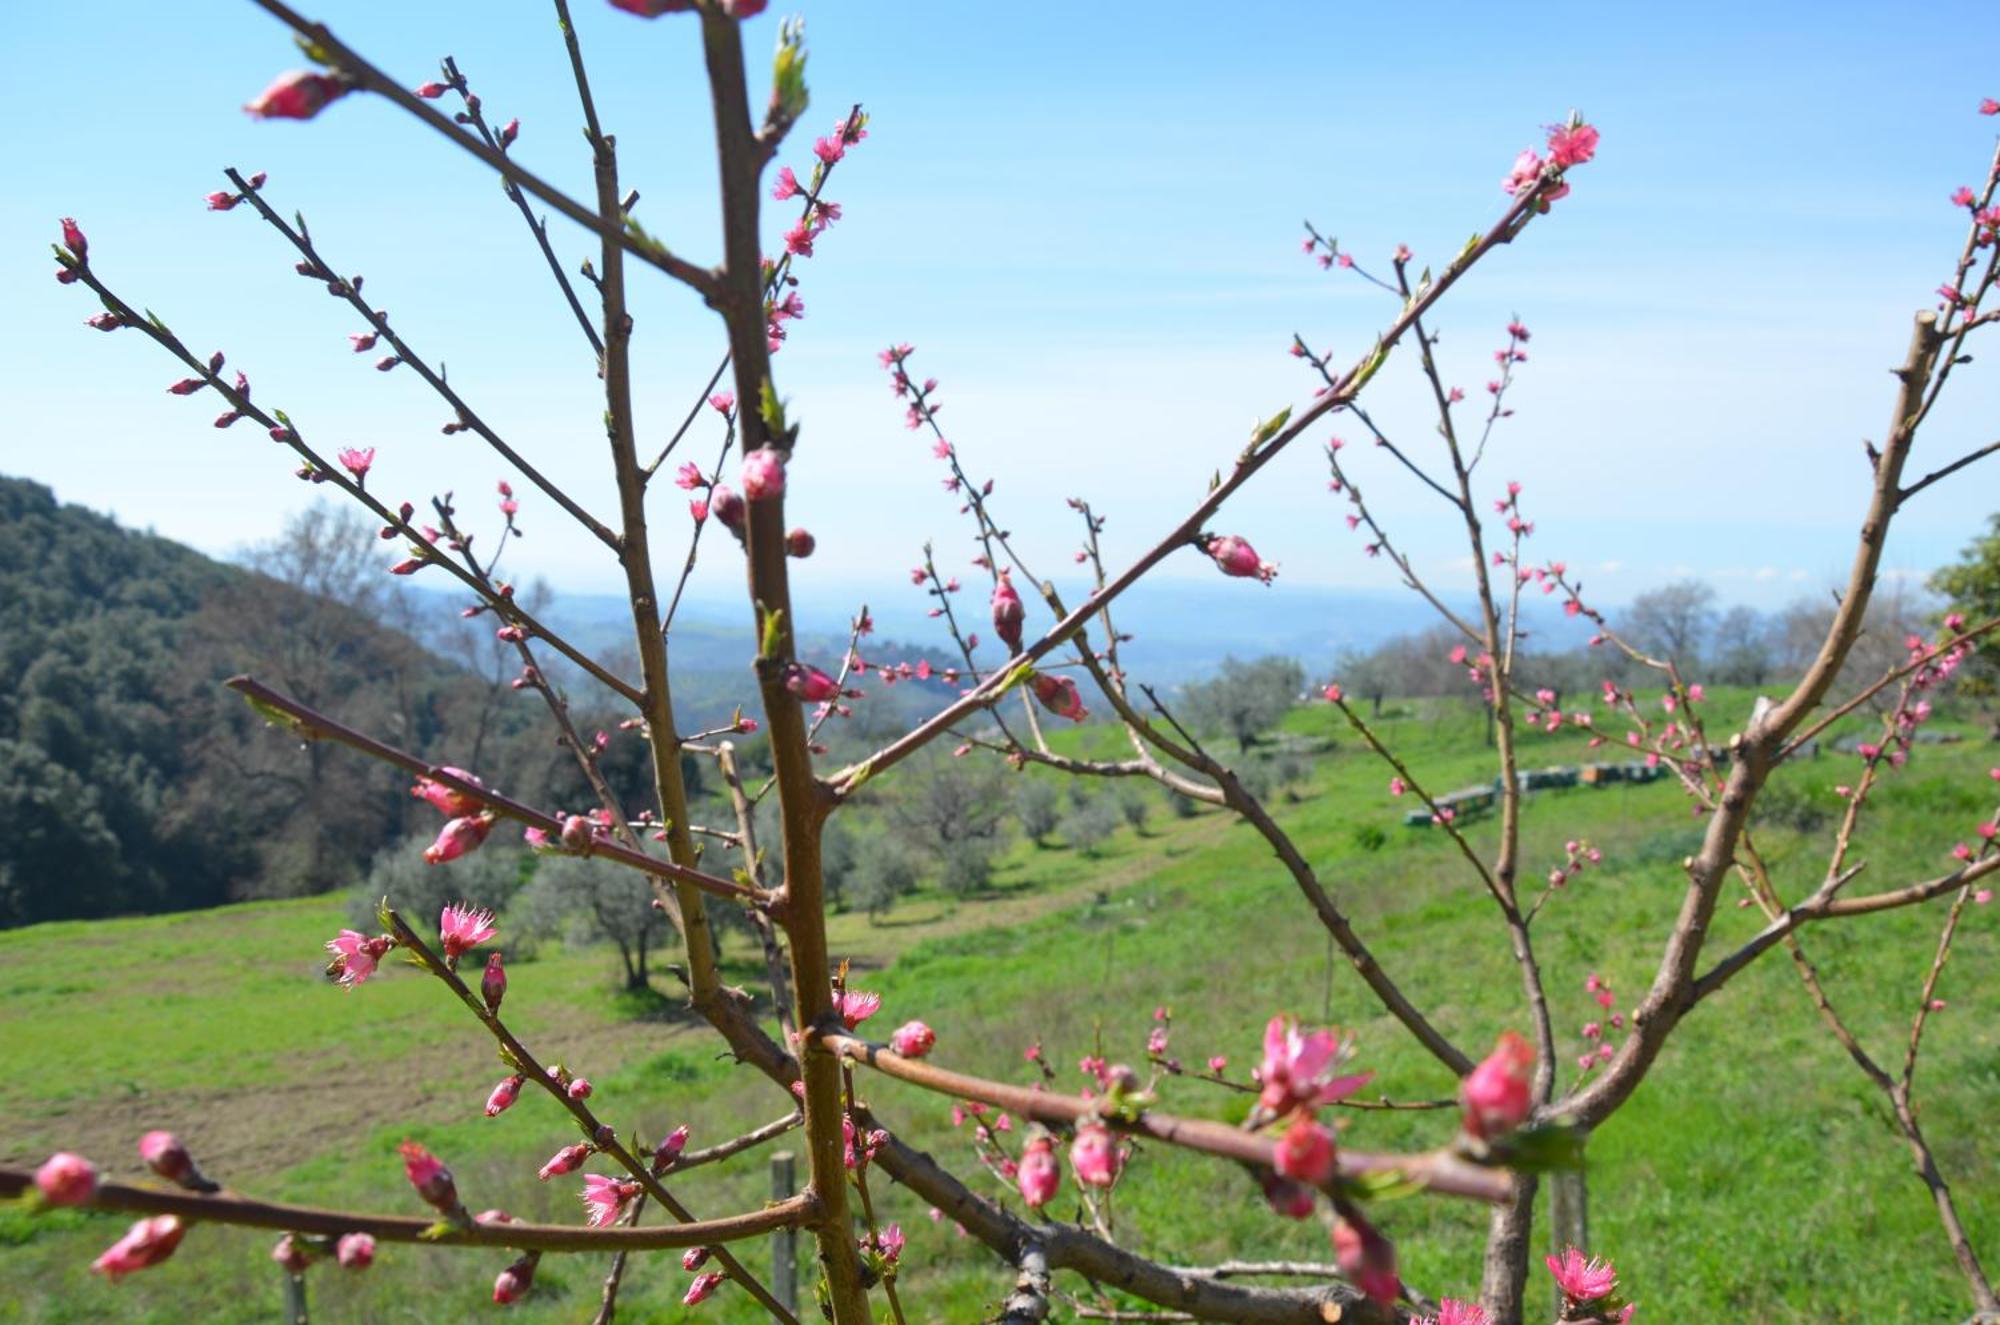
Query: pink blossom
[
  {"x": 144, "y": 1245},
  {"x": 1496, "y": 1096},
  {"x": 1008, "y": 613},
  {"x": 1218, "y": 1064},
  {"x": 355, "y": 1251},
  {"x": 448, "y": 801},
  {"x": 605, "y": 1198},
  {"x": 463, "y": 926},
  {"x": 1572, "y": 144},
  {"x": 1962, "y": 197},
  {"x": 1238, "y": 559},
  {"x": 727, "y": 506},
  {"x": 856, "y": 1006},
  {"x": 1095, "y": 1155},
  {"x": 220, "y": 201},
  {"x": 1293, "y": 1200},
  {"x": 290, "y": 1255},
  {"x": 563, "y": 1161},
  {"x": 787, "y": 185},
  {"x": 800, "y": 543},
  {"x": 670, "y": 1149},
  {"x": 1058, "y": 694},
  {"x": 1333, "y": 693},
  {"x": 503, "y": 1096},
  {"x": 430, "y": 91},
  {"x": 701, "y": 1288},
  {"x": 1451, "y": 1311},
  {"x": 74, "y": 241},
  {"x": 460, "y": 835},
  {"x": 913, "y": 1039},
  {"x": 66, "y": 1179},
  {"x": 297, "y": 95},
  {"x": 354, "y": 957},
  {"x": 514, "y": 1282},
  {"x": 1397, "y": 786},
  {"x": 694, "y": 1258},
  {"x": 1527, "y": 172},
  {"x": 1989, "y": 107},
  {"x": 493, "y": 982},
  {"x": 357, "y": 461},
  {"x": 1367, "y": 1258},
  {"x": 1298, "y": 1068},
  {"x": 890, "y": 1243},
  {"x": 1582, "y": 1279},
  {"x": 579, "y": 1088},
  {"x": 810, "y": 683},
  {"x": 429, "y": 1176},
  {"x": 1305, "y": 1152},
  {"x": 764, "y": 474},
  {"x": 1039, "y": 1175}
]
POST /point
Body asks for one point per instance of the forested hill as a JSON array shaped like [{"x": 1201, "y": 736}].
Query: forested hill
[{"x": 132, "y": 781}]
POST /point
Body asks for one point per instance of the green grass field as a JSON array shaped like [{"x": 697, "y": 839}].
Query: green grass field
[{"x": 1753, "y": 1178}]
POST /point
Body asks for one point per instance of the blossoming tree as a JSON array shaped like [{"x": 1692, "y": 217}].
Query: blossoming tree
[{"x": 1513, "y": 1122}]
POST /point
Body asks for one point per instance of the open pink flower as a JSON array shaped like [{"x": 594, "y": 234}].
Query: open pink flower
[
  {"x": 459, "y": 836},
  {"x": 66, "y": 1179},
  {"x": 1581, "y": 1278},
  {"x": 605, "y": 1198},
  {"x": 1497, "y": 1095},
  {"x": 1572, "y": 144},
  {"x": 1095, "y": 1155},
  {"x": 856, "y": 1006},
  {"x": 1039, "y": 1175},
  {"x": 462, "y": 926},
  {"x": 1305, "y": 1152},
  {"x": 1451, "y": 1311},
  {"x": 297, "y": 95},
  {"x": 144, "y": 1245},
  {"x": 355, "y": 956},
  {"x": 1299, "y": 1067},
  {"x": 357, "y": 461},
  {"x": 449, "y": 801},
  {"x": 429, "y": 1176}
]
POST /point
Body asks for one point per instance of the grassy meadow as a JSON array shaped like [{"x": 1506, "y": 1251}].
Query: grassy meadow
[{"x": 1753, "y": 1178}]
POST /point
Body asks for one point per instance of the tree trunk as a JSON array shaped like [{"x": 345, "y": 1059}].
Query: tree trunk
[{"x": 1508, "y": 1233}]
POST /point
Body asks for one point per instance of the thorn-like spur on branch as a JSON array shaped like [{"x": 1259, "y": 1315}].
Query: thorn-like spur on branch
[
  {"x": 310, "y": 724},
  {"x": 1248, "y": 463},
  {"x": 1437, "y": 1171},
  {"x": 368, "y": 78},
  {"x": 228, "y": 1208}
]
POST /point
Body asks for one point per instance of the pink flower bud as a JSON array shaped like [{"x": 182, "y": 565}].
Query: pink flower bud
[
  {"x": 503, "y": 1096},
  {"x": 429, "y": 1176},
  {"x": 220, "y": 201},
  {"x": 1305, "y": 1153},
  {"x": 146, "y": 1244},
  {"x": 459, "y": 836},
  {"x": 297, "y": 95},
  {"x": 810, "y": 684},
  {"x": 66, "y": 1179},
  {"x": 1293, "y": 1200},
  {"x": 579, "y": 1089},
  {"x": 164, "y": 1154},
  {"x": 431, "y": 91},
  {"x": 564, "y": 1161},
  {"x": 1059, "y": 696},
  {"x": 1237, "y": 558},
  {"x": 1095, "y": 1155},
  {"x": 187, "y": 386},
  {"x": 1496, "y": 1095},
  {"x": 1039, "y": 1175},
  {"x": 449, "y": 801},
  {"x": 764, "y": 474},
  {"x": 1367, "y": 1258},
  {"x": 289, "y": 1254},
  {"x": 702, "y": 1287},
  {"x": 694, "y": 1258},
  {"x": 800, "y": 543},
  {"x": 493, "y": 983},
  {"x": 355, "y": 1251},
  {"x": 515, "y": 1281},
  {"x": 508, "y": 133},
  {"x": 73, "y": 240},
  {"x": 1008, "y": 614},
  {"x": 913, "y": 1039},
  {"x": 670, "y": 1149},
  {"x": 725, "y": 505}
]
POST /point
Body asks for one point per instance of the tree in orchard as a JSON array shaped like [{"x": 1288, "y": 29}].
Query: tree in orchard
[{"x": 1520, "y": 1111}]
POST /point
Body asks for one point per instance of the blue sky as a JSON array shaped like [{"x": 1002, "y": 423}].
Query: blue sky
[{"x": 1087, "y": 220}]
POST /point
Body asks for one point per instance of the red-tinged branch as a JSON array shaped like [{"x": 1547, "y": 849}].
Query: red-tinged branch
[
  {"x": 310, "y": 724},
  {"x": 301, "y": 240},
  {"x": 606, "y": 224},
  {"x": 603, "y": 1138},
  {"x": 228, "y": 1208},
  {"x": 1437, "y": 1171},
  {"x": 802, "y": 803},
  {"x": 1350, "y": 385},
  {"x": 284, "y": 430}
]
